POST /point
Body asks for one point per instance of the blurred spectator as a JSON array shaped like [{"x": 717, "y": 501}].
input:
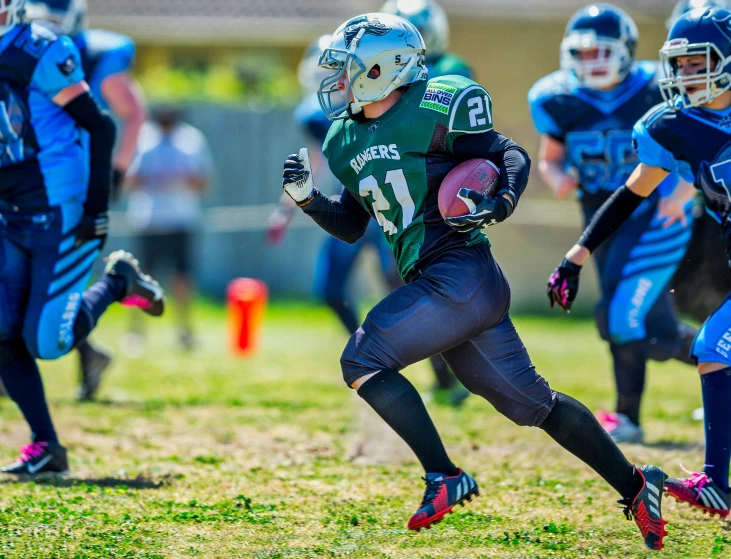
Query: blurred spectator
[{"x": 167, "y": 180}]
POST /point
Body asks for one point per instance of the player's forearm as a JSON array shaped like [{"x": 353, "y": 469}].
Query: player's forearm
[
  {"x": 552, "y": 174},
  {"x": 84, "y": 110},
  {"x": 337, "y": 217},
  {"x": 128, "y": 141},
  {"x": 512, "y": 159}
]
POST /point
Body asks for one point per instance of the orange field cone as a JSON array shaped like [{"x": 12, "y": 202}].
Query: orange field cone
[{"x": 247, "y": 299}]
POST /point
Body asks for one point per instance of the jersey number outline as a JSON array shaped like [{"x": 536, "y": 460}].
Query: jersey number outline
[
  {"x": 480, "y": 108},
  {"x": 604, "y": 160},
  {"x": 397, "y": 180},
  {"x": 723, "y": 176}
]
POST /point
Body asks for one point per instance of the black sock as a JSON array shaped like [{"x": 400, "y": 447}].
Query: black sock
[
  {"x": 445, "y": 378},
  {"x": 23, "y": 383},
  {"x": 396, "y": 400},
  {"x": 575, "y": 428},
  {"x": 630, "y": 362},
  {"x": 95, "y": 301}
]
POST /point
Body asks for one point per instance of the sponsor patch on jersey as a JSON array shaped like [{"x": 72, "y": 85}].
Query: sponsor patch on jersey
[
  {"x": 68, "y": 66},
  {"x": 438, "y": 97}
]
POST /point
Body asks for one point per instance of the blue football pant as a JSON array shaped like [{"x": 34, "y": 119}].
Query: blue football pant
[{"x": 42, "y": 277}]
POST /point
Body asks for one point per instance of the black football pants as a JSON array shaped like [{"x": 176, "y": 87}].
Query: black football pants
[{"x": 457, "y": 306}]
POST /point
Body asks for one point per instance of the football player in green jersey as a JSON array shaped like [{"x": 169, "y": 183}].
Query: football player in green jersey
[{"x": 395, "y": 139}]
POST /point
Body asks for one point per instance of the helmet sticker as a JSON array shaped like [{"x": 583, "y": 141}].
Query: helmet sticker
[{"x": 438, "y": 97}]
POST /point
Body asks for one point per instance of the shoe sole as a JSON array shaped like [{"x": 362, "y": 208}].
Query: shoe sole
[
  {"x": 711, "y": 512},
  {"x": 38, "y": 476},
  {"x": 663, "y": 523},
  {"x": 437, "y": 518}
]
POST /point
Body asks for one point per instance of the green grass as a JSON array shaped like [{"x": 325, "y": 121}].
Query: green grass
[{"x": 208, "y": 455}]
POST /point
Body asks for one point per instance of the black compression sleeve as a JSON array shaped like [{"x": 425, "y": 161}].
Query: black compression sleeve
[
  {"x": 613, "y": 213},
  {"x": 513, "y": 161},
  {"x": 344, "y": 219},
  {"x": 102, "y": 131}
]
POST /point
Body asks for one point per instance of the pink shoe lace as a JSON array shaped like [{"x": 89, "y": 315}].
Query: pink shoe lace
[
  {"x": 608, "y": 420},
  {"x": 136, "y": 301},
  {"x": 31, "y": 451},
  {"x": 697, "y": 480}
]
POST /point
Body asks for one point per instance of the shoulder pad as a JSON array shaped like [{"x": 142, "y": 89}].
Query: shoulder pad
[
  {"x": 560, "y": 82},
  {"x": 459, "y": 103},
  {"x": 103, "y": 40}
]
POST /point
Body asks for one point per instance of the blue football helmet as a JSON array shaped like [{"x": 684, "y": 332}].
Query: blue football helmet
[
  {"x": 13, "y": 10},
  {"x": 608, "y": 30},
  {"x": 685, "y": 6},
  {"x": 428, "y": 17},
  {"x": 700, "y": 32},
  {"x": 69, "y": 15}
]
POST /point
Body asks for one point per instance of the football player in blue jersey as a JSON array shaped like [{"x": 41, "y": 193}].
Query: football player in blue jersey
[
  {"x": 106, "y": 59},
  {"x": 55, "y": 176},
  {"x": 705, "y": 260},
  {"x": 337, "y": 258},
  {"x": 585, "y": 113},
  {"x": 689, "y": 134}
]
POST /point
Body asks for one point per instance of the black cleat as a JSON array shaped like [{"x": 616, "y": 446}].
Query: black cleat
[
  {"x": 94, "y": 362},
  {"x": 646, "y": 508},
  {"x": 143, "y": 292},
  {"x": 40, "y": 458},
  {"x": 441, "y": 495}
]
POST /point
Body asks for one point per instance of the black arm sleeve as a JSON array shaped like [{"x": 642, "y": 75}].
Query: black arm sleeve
[
  {"x": 613, "y": 213},
  {"x": 102, "y": 132},
  {"x": 513, "y": 161},
  {"x": 345, "y": 219}
]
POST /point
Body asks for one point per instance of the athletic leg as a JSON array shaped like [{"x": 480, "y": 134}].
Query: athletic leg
[
  {"x": 709, "y": 489},
  {"x": 496, "y": 366}
]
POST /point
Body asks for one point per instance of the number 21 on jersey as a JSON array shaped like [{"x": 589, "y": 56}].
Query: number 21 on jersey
[{"x": 401, "y": 200}]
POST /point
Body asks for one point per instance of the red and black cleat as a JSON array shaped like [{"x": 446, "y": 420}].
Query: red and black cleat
[
  {"x": 441, "y": 495},
  {"x": 646, "y": 508},
  {"x": 700, "y": 491}
]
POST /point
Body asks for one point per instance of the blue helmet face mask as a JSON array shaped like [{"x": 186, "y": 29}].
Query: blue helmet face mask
[
  {"x": 610, "y": 34},
  {"x": 13, "y": 11},
  {"x": 705, "y": 34}
]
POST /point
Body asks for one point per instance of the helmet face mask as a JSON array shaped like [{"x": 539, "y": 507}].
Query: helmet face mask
[
  {"x": 709, "y": 83},
  {"x": 13, "y": 11},
  {"x": 69, "y": 15},
  {"x": 607, "y": 31},
  {"x": 377, "y": 53},
  {"x": 607, "y": 69}
]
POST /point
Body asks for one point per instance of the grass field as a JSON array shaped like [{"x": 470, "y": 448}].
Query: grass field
[{"x": 205, "y": 455}]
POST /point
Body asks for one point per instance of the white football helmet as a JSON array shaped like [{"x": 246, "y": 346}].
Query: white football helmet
[
  {"x": 69, "y": 15},
  {"x": 13, "y": 10},
  {"x": 378, "y": 53},
  {"x": 428, "y": 17}
]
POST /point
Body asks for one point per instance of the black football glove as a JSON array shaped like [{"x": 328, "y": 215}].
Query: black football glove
[
  {"x": 563, "y": 285},
  {"x": 487, "y": 211},
  {"x": 92, "y": 227}
]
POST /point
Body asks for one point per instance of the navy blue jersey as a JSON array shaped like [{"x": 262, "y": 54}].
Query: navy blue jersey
[
  {"x": 696, "y": 143},
  {"x": 43, "y": 157},
  {"x": 596, "y": 126},
  {"x": 103, "y": 53}
]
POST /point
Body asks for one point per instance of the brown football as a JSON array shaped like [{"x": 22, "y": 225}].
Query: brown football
[{"x": 476, "y": 174}]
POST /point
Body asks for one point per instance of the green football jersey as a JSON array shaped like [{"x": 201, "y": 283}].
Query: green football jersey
[
  {"x": 448, "y": 64},
  {"x": 394, "y": 164}
]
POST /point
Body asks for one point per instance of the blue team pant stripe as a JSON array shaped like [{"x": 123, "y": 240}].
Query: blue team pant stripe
[
  {"x": 74, "y": 256},
  {"x": 661, "y": 247},
  {"x": 654, "y": 235},
  {"x": 88, "y": 262},
  {"x": 653, "y": 262}
]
